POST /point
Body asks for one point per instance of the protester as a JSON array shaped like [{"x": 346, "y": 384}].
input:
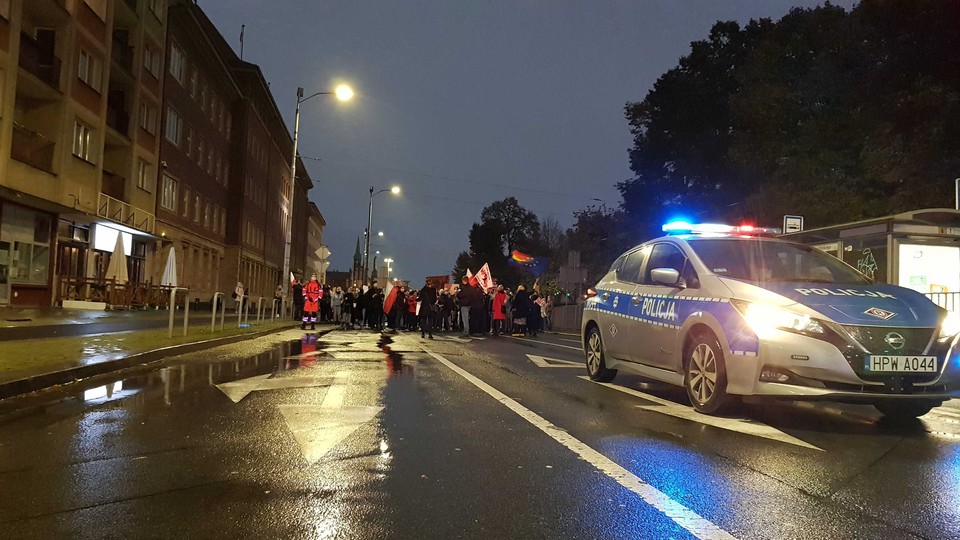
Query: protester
[
  {"x": 238, "y": 296},
  {"x": 547, "y": 311},
  {"x": 499, "y": 310},
  {"x": 478, "y": 309},
  {"x": 446, "y": 310},
  {"x": 297, "y": 299},
  {"x": 312, "y": 294},
  {"x": 428, "y": 305},
  {"x": 346, "y": 308},
  {"x": 376, "y": 308},
  {"x": 533, "y": 313},
  {"x": 326, "y": 311},
  {"x": 521, "y": 309},
  {"x": 336, "y": 304},
  {"x": 464, "y": 297},
  {"x": 411, "y": 315},
  {"x": 278, "y": 300}
]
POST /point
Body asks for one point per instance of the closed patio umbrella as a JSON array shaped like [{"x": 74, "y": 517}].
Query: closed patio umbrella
[
  {"x": 170, "y": 270},
  {"x": 117, "y": 270}
]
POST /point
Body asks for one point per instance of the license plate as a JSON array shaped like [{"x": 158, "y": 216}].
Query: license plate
[{"x": 901, "y": 364}]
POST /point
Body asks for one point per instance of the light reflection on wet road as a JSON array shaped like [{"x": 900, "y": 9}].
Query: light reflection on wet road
[{"x": 359, "y": 435}]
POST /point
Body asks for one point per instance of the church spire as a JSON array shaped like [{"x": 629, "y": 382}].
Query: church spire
[{"x": 357, "y": 256}]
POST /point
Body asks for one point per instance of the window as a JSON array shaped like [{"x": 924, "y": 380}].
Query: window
[
  {"x": 630, "y": 269},
  {"x": 186, "y": 202},
  {"x": 200, "y": 152},
  {"x": 206, "y": 215},
  {"x": 151, "y": 60},
  {"x": 203, "y": 97},
  {"x": 196, "y": 209},
  {"x": 148, "y": 118},
  {"x": 168, "y": 194},
  {"x": 177, "y": 62},
  {"x": 82, "y": 136},
  {"x": 188, "y": 144},
  {"x": 90, "y": 70},
  {"x": 174, "y": 126},
  {"x": 210, "y": 162},
  {"x": 193, "y": 84},
  {"x": 223, "y": 221},
  {"x": 664, "y": 256},
  {"x": 228, "y": 124},
  {"x": 219, "y": 168},
  {"x": 99, "y": 7},
  {"x": 226, "y": 172},
  {"x": 144, "y": 173}
]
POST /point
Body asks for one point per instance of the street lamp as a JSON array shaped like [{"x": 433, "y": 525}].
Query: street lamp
[
  {"x": 343, "y": 93},
  {"x": 366, "y": 250},
  {"x": 389, "y": 262}
]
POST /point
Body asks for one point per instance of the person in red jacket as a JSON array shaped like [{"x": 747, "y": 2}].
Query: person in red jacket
[{"x": 312, "y": 293}]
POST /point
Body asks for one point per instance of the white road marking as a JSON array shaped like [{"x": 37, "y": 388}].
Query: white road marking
[
  {"x": 681, "y": 515},
  {"x": 544, "y": 362},
  {"x": 580, "y": 349},
  {"x": 237, "y": 390},
  {"x": 747, "y": 427},
  {"x": 318, "y": 429}
]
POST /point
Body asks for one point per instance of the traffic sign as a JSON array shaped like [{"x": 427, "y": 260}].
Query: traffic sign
[{"x": 792, "y": 224}]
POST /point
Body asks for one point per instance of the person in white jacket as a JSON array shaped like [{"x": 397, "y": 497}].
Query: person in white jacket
[{"x": 336, "y": 303}]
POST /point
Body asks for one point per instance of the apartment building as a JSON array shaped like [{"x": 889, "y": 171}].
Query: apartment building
[
  {"x": 80, "y": 96},
  {"x": 195, "y": 153},
  {"x": 314, "y": 237},
  {"x": 135, "y": 119}
]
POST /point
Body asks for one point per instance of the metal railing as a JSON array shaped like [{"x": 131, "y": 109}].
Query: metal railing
[
  {"x": 173, "y": 309},
  {"x": 949, "y": 301},
  {"x": 121, "y": 212},
  {"x": 32, "y": 148}
]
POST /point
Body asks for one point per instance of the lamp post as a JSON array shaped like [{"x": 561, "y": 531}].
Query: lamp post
[
  {"x": 366, "y": 250},
  {"x": 343, "y": 93},
  {"x": 389, "y": 262}
]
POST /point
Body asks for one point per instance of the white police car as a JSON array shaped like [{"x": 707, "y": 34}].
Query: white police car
[{"x": 725, "y": 313}]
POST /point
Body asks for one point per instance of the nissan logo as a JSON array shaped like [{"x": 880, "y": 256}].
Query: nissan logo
[{"x": 895, "y": 340}]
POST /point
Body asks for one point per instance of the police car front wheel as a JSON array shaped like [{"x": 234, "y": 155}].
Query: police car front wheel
[
  {"x": 596, "y": 366},
  {"x": 705, "y": 375}
]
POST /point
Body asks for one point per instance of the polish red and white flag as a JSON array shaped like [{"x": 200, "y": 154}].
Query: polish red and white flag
[
  {"x": 484, "y": 278},
  {"x": 471, "y": 279}
]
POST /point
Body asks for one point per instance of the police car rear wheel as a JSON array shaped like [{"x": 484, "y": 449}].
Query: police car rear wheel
[
  {"x": 706, "y": 377},
  {"x": 905, "y": 410},
  {"x": 596, "y": 366}
]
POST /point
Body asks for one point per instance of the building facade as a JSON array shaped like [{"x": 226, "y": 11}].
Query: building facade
[
  {"x": 135, "y": 120},
  {"x": 80, "y": 95}
]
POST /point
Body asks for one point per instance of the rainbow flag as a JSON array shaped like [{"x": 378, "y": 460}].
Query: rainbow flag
[{"x": 535, "y": 265}]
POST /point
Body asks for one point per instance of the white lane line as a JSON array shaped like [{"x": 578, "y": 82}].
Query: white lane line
[
  {"x": 579, "y": 349},
  {"x": 747, "y": 427},
  {"x": 545, "y": 362},
  {"x": 681, "y": 515}
]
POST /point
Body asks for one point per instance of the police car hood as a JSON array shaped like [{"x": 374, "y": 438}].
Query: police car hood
[{"x": 873, "y": 305}]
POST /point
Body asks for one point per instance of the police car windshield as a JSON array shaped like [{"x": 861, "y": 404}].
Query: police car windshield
[{"x": 768, "y": 261}]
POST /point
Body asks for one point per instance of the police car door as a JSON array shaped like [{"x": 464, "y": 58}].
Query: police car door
[
  {"x": 617, "y": 330},
  {"x": 655, "y": 307}
]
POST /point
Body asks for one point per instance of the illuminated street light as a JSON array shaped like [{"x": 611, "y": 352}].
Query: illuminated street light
[
  {"x": 343, "y": 93},
  {"x": 367, "y": 233}
]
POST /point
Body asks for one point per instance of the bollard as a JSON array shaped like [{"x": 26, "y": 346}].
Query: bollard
[
  {"x": 213, "y": 312},
  {"x": 259, "y": 310},
  {"x": 223, "y": 312},
  {"x": 173, "y": 306}
]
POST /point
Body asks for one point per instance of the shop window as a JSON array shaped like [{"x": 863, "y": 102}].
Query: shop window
[{"x": 28, "y": 233}]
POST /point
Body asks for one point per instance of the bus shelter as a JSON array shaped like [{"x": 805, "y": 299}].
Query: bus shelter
[{"x": 919, "y": 250}]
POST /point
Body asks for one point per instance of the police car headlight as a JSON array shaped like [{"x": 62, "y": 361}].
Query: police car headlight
[
  {"x": 764, "y": 319},
  {"x": 950, "y": 325}
]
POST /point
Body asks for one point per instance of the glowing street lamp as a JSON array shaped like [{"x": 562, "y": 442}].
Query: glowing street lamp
[{"x": 366, "y": 251}]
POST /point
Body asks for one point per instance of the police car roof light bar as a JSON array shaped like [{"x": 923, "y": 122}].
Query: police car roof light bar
[{"x": 684, "y": 227}]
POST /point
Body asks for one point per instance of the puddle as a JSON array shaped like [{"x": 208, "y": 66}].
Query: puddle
[{"x": 394, "y": 359}]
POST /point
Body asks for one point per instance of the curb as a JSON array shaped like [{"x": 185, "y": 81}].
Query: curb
[{"x": 39, "y": 382}]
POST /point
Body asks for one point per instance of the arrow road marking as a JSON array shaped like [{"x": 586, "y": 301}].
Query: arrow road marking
[
  {"x": 747, "y": 427},
  {"x": 237, "y": 390},
  {"x": 540, "y": 342},
  {"x": 544, "y": 362},
  {"x": 318, "y": 429}
]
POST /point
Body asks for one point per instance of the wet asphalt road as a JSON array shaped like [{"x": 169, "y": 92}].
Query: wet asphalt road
[{"x": 352, "y": 436}]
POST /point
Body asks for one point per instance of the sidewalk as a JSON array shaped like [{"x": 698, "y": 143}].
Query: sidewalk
[{"x": 42, "y": 347}]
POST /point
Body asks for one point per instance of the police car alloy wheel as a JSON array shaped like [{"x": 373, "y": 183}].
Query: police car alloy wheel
[
  {"x": 705, "y": 375},
  {"x": 596, "y": 366}
]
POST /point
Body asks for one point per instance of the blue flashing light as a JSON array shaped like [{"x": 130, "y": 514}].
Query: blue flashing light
[{"x": 678, "y": 226}]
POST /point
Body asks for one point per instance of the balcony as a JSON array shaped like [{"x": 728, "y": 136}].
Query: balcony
[
  {"x": 32, "y": 148},
  {"x": 118, "y": 119},
  {"x": 39, "y": 61},
  {"x": 121, "y": 212},
  {"x": 113, "y": 185},
  {"x": 122, "y": 52}
]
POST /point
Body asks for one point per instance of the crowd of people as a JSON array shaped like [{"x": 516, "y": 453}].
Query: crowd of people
[{"x": 466, "y": 309}]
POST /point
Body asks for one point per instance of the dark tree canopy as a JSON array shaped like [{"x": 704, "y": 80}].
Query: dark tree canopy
[
  {"x": 504, "y": 226},
  {"x": 830, "y": 114}
]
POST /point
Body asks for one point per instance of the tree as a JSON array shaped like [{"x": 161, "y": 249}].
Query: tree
[{"x": 504, "y": 226}]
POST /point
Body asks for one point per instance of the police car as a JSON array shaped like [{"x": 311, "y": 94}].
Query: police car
[{"x": 726, "y": 312}]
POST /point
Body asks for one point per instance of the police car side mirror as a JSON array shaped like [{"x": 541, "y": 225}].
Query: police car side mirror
[{"x": 665, "y": 276}]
